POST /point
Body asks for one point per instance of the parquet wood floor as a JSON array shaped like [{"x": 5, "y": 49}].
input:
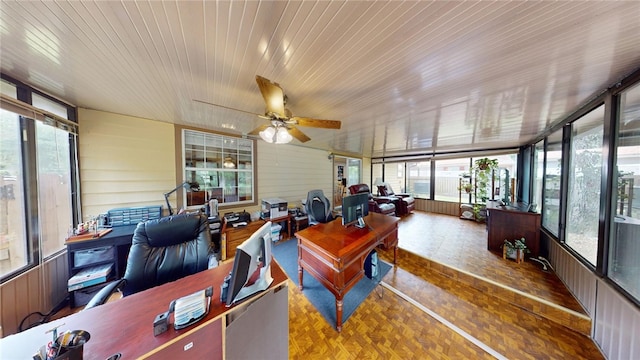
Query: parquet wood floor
[
  {"x": 386, "y": 326},
  {"x": 390, "y": 327}
]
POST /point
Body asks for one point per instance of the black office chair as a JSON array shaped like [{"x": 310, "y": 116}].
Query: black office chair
[
  {"x": 162, "y": 250},
  {"x": 318, "y": 207}
]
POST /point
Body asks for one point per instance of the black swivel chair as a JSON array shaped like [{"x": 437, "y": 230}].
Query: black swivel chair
[
  {"x": 318, "y": 207},
  {"x": 162, "y": 250}
]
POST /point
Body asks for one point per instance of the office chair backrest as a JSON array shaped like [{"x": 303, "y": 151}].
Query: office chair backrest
[
  {"x": 167, "y": 249},
  {"x": 318, "y": 207}
]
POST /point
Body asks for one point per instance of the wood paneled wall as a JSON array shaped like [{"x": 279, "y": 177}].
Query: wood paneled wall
[
  {"x": 124, "y": 161},
  {"x": 289, "y": 172},
  {"x": 438, "y": 207},
  {"x": 39, "y": 289},
  {"x": 616, "y": 321}
]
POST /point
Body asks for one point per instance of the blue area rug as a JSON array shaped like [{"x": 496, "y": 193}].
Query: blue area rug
[{"x": 286, "y": 254}]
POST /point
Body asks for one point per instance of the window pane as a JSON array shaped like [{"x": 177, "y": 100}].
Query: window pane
[
  {"x": 447, "y": 174},
  {"x": 53, "y": 107},
  {"x": 353, "y": 171},
  {"x": 538, "y": 170},
  {"x": 419, "y": 178},
  {"x": 624, "y": 253},
  {"x": 13, "y": 239},
  {"x": 503, "y": 185},
  {"x": 376, "y": 176},
  {"x": 552, "y": 175},
  {"x": 221, "y": 165},
  {"x": 394, "y": 176},
  {"x": 583, "y": 204},
  {"x": 54, "y": 187}
]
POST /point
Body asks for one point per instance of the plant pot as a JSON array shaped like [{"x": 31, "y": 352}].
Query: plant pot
[{"x": 514, "y": 254}]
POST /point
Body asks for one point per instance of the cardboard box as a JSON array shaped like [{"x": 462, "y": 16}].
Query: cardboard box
[{"x": 276, "y": 207}]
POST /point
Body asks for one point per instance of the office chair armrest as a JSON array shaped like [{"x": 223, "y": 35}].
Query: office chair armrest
[{"x": 104, "y": 293}]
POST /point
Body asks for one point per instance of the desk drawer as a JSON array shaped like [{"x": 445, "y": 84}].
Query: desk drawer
[{"x": 92, "y": 256}]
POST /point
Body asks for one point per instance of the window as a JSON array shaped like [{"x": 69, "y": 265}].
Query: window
[
  {"x": 624, "y": 251},
  {"x": 394, "y": 176},
  {"x": 35, "y": 154},
  {"x": 583, "y": 202},
  {"x": 54, "y": 187},
  {"x": 538, "y": 172},
  {"x": 222, "y": 166},
  {"x": 447, "y": 176},
  {"x": 14, "y": 252},
  {"x": 419, "y": 179},
  {"x": 552, "y": 177},
  {"x": 504, "y": 181}
]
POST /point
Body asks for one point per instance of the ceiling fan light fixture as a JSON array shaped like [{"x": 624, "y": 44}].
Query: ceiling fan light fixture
[
  {"x": 283, "y": 136},
  {"x": 228, "y": 163},
  {"x": 276, "y": 135},
  {"x": 268, "y": 134}
]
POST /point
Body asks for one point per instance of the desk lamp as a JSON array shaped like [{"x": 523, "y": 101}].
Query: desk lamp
[{"x": 193, "y": 186}]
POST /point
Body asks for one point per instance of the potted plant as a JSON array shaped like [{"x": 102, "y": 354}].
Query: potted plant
[
  {"x": 514, "y": 250},
  {"x": 467, "y": 187},
  {"x": 483, "y": 169},
  {"x": 486, "y": 163}
]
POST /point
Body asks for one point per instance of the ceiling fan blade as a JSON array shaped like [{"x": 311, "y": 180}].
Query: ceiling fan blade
[
  {"x": 325, "y": 124},
  {"x": 273, "y": 96},
  {"x": 226, "y": 107},
  {"x": 257, "y": 130},
  {"x": 298, "y": 134}
]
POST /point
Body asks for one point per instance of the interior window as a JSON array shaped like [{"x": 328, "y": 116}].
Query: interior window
[{"x": 221, "y": 167}]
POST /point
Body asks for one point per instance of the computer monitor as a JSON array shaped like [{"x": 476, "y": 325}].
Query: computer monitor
[
  {"x": 354, "y": 209},
  {"x": 251, "y": 271}
]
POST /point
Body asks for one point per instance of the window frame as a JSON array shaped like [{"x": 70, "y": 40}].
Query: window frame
[
  {"x": 28, "y": 115},
  {"x": 193, "y": 173}
]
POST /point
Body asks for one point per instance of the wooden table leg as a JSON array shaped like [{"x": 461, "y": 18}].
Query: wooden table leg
[
  {"x": 395, "y": 254},
  {"x": 299, "y": 276},
  {"x": 339, "y": 313}
]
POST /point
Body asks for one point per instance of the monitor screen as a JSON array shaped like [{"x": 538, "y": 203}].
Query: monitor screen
[
  {"x": 354, "y": 209},
  {"x": 251, "y": 271}
]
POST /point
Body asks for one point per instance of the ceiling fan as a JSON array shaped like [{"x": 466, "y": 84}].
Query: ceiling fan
[{"x": 282, "y": 125}]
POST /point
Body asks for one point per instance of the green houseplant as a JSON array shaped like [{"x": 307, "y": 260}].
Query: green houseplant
[
  {"x": 483, "y": 169},
  {"x": 514, "y": 250}
]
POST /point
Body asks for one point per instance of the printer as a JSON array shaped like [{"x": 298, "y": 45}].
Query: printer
[{"x": 274, "y": 208}]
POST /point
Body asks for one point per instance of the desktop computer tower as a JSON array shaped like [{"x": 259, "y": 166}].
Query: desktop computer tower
[{"x": 371, "y": 266}]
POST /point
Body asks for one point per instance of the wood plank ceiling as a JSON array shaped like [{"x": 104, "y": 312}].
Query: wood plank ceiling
[{"x": 406, "y": 77}]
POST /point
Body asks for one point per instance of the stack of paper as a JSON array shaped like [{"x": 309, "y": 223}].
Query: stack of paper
[{"x": 89, "y": 276}]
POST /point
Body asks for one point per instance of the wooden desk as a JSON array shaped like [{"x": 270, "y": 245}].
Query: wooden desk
[
  {"x": 126, "y": 325},
  {"x": 233, "y": 236},
  {"x": 335, "y": 255}
]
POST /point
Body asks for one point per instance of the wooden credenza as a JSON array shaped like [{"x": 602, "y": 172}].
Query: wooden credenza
[
  {"x": 232, "y": 237},
  {"x": 510, "y": 223}
]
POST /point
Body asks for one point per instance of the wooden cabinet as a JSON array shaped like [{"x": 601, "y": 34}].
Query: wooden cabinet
[
  {"x": 512, "y": 222},
  {"x": 232, "y": 237}
]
